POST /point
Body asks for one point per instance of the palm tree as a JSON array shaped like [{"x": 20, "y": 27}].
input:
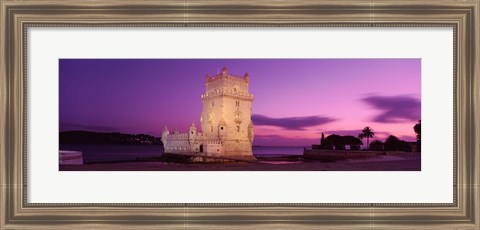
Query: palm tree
[{"x": 368, "y": 133}]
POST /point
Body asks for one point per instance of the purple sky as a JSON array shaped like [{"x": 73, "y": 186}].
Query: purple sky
[{"x": 295, "y": 99}]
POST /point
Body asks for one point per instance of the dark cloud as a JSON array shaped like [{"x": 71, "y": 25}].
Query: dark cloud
[
  {"x": 395, "y": 109},
  {"x": 291, "y": 123}
]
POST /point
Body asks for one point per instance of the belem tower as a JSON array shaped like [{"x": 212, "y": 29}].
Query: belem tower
[{"x": 226, "y": 124}]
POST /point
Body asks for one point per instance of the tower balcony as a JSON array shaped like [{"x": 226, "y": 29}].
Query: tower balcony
[{"x": 230, "y": 92}]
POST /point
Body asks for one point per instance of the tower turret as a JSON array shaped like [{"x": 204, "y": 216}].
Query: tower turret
[
  {"x": 165, "y": 134},
  {"x": 246, "y": 77},
  {"x": 224, "y": 71}
]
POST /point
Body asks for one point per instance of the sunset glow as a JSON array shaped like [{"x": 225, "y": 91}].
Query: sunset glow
[{"x": 295, "y": 100}]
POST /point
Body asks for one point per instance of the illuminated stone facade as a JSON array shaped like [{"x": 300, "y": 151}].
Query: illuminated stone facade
[{"x": 227, "y": 128}]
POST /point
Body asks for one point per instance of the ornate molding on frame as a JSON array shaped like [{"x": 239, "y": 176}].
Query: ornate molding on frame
[{"x": 17, "y": 16}]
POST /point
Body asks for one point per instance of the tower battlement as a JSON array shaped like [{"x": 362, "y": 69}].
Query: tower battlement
[
  {"x": 228, "y": 93},
  {"x": 225, "y": 75},
  {"x": 226, "y": 84}
]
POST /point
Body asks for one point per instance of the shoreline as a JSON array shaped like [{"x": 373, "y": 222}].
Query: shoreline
[{"x": 391, "y": 162}]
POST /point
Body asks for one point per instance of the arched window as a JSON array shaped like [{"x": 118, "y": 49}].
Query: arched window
[{"x": 238, "y": 128}]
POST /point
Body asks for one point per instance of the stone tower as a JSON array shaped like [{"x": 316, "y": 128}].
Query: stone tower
[{"x": 226, "y": 113}]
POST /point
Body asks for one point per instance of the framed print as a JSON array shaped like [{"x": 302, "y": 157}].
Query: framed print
[{"x": 239, "y": 114}]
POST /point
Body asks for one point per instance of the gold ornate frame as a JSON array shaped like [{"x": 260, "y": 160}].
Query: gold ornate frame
[{"x": 17, "y": 16}]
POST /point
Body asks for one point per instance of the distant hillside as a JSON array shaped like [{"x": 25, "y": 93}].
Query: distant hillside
[{"x": 86, "y": 137}]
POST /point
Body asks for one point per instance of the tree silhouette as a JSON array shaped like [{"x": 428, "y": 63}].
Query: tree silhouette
[
  {"x": 376, "y": 145},
  {"x": 368, "y": 133},
  {"x": 392, "y": 143},
  {"x": 418, "y": 130}
]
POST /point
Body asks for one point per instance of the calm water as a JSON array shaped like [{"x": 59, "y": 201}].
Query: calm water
[
  {"x": 99, "y": 153},
  {"x": 275, "y": 150}
]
